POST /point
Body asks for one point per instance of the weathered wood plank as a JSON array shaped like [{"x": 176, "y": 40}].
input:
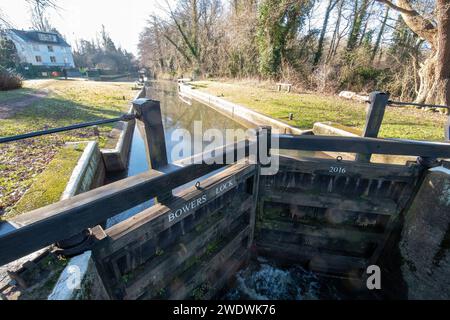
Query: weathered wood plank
[
  {"x": 375, "y": 115},
  {"x": 206, "y": 270},
  {"x": 352, "y": 169},
  {"x": 64, "y": 219},
  {"x": 365, "y": 145},
  {"x": 161, "y": 269},
  {"x": 157, "y": 219},
  {"x": 149, "y": 113},
  {"x": 336, "y": 201},
  {"x": 340, "y": 233},
  {"x": 253, "y": 213},
  {"x": 227, "y": 271},
  {"x": 343, "y": 247},
  {"x": 316, "y": 260}
]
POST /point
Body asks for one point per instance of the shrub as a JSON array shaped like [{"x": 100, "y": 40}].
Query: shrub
[{"x": 9, "y": 79}]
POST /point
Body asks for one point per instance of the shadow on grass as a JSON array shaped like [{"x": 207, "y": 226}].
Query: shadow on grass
[
  {"x": 56, "y": 112},
  {"x": 12, "y": 95}
]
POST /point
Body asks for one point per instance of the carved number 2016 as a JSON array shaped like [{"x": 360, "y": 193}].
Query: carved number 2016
[{"x": 339, "y": 170}]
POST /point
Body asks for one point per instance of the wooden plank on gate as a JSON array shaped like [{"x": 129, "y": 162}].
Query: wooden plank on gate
[
  {"x": 307, "y": 255},
  {"x": 373, "y": 205},
  {"x": 207, "y": 268},
  {"x": 161, "y": 217},
  {"x": 352, "y": 169},
  {"x": 336, "y": 233},
  {"x": 163, "y": 268}
]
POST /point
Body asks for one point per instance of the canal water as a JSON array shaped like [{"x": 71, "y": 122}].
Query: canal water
[
  {"x": 262, "y": 279},
  {"x": 176, "y": 114}
]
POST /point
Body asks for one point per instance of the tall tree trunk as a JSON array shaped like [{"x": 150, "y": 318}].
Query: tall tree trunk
[
  {"x": 195, "y": 30},
  {"x": 334, "y": 41},
  {"x": 435, "y": 71},
  {"x": 319, "y": 51},
  {"x": 353, "y": 25},
  {"x": 366, "y": 17},
  {"x": 380, "y": 35},
  {"x": 355, "y": 31},
  {"x": 442, "y": 56}
]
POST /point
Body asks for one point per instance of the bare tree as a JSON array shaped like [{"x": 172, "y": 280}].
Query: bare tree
[
  {"x": 435, "y": 71},
  {"x": 4, "y": 21},
  {"x": 380, "y": 35},
  {"x": 339, "y": 33},
  {"x": 39, "y": 9},
  {"x": 360, "y": 10},
  {"x": 318, "y": 55}
]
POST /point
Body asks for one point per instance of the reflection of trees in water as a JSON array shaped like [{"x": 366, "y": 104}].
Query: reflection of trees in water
[{"x": 177, "y": 114}]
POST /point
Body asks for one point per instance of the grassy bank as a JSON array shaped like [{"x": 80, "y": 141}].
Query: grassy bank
[
  {"x": 407, "y": 123},
  {"x": 67, "y": 102},
  {"x": 49, "y": 186}
]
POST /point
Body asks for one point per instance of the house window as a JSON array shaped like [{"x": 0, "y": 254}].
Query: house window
[
  {"x": 47, "y": 37},
  {"x": 38, "y": 59},
  {"x": 53, "y": 59},
  {"x": 35, "y": 47},
  {"x": 50, "y": 48}
]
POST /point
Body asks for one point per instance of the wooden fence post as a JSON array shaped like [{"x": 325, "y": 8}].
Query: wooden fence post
[
  {"x": 375, "y": 115},
  {"x": 149, "y": 113},
  {"x": 264, "y": 133}
]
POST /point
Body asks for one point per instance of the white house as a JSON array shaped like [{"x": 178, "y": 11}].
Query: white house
[{"x": 41, "y": 48}]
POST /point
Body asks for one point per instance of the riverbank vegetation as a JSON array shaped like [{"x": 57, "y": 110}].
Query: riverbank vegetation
[
  {"x": 49, "y": 186},
  {"x": 327, "y": 46},
  {"x": 104, "y": 54},
  {"x": 47, "y": 104},
  {"x": 309, "y": 108}
]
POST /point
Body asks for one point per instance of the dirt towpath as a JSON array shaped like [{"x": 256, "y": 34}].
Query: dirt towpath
[{"x": 10, "y": 107}]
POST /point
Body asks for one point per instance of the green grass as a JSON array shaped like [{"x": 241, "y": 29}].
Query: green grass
[
  {"x": 71, "y": 102},
  {"x": 51, "y": 183},
  {"x": 29, "y": 87},
  {"x": 68, "y": 102},
  {"x": 15, "y": 94},
  {"x": 407, "y": 123}
]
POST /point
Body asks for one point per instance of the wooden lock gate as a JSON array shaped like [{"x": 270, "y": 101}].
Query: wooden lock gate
[
  {"x": 332, "y": 216},
  {"x": 184, "y": 249}
]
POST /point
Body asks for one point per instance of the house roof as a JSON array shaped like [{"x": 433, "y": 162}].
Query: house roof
[{"x": 41, "y": 37}]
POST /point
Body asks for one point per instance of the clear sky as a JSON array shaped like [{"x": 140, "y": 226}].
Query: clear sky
[{"x": 123, "y": 19}]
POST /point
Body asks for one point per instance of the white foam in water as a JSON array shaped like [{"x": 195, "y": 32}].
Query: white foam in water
[{"x": 266, "y": 282}]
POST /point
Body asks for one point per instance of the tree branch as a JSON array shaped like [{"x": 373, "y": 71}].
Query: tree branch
[
  {"x": 423, "y": 27},
  {"x": 397, "y": 8}
]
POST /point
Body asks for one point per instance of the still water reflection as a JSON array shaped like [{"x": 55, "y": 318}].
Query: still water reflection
[{"x": 177, "y": 114}]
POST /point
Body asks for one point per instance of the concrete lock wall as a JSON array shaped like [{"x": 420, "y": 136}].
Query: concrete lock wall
[
  {"x": 425, "y": 239},
  {"x": 117, "y": 159},
  {"x": 79, "y": 281},
  {"x": 239, "y": 113},
  {"x": 88, "y": 174}
]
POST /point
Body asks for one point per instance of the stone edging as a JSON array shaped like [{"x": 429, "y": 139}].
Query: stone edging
[
  {"x": 84, "y": 173},
  {"x": 236, "y": 111},
  {"x": 117, "y": 159},
  {"x": 79, "y": 281}
]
